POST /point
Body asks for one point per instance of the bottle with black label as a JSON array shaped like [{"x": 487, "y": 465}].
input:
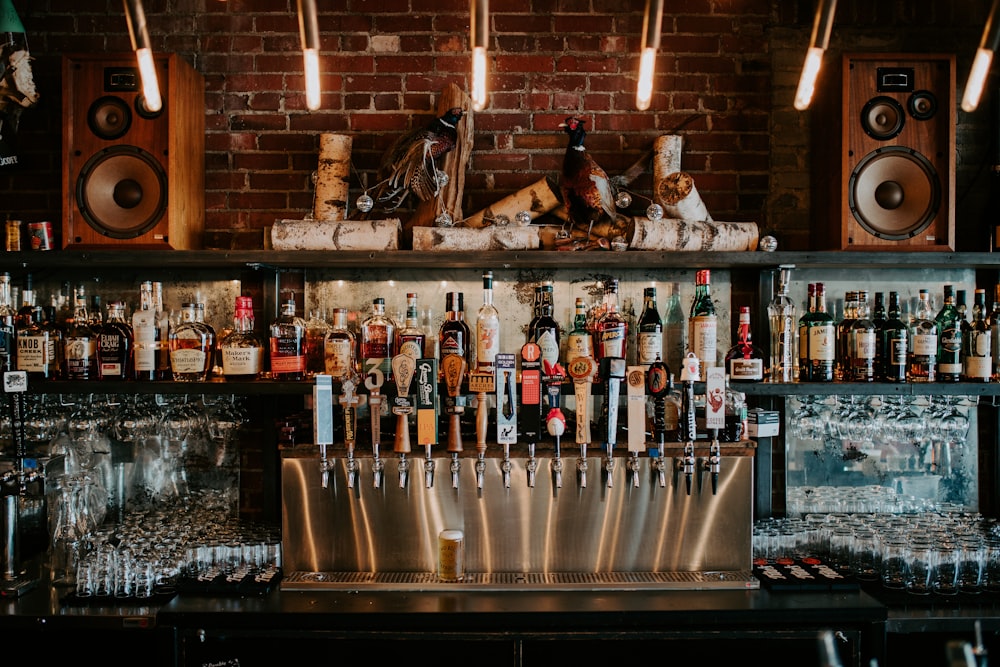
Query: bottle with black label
[
  {"x": 893, "y": 342},
  {"x": 543, "y": 330},
  {"x": 649, "y": 338},
  {"x": 454, "y": 334}
]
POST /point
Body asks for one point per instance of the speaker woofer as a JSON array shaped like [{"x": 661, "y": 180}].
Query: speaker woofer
[
  {"x": 882, "y": 118},
  {"x": 122, "y": 192},
  {"x": 922, "y": 105},
  {"x": 894, "y": 193},
  {"x": 109, "y": 117}
]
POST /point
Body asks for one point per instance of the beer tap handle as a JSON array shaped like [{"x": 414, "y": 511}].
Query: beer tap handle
[
  {"x": 374, "y": 383},
  {"x": 690, "y": 373},
  {"x": 555, "y": 424},
  {"x": 349, "y": 400},
  {"x": 482, "y": 384},
  {"x": 613, "y": 372},
  {"x": 454, "y": 367},
  {"x": 715, "y": 418},
  {"x": 323, "y": 423},
  {"x": 658, "y": 385},
  {"x": 582, "y": 370},
  {"x": 403, "y": 367},
  {"x": 427, "y": 413},
  {"x": 636, "y": 402}
]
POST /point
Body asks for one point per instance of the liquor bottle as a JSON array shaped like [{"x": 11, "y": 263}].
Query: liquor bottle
[
  {"x": 977, "y": 362},
  {"x": 487, "y": 328},
  {"x": 8, "y": 359},
  {"x": 962, "y": 307},
  {"x": 949, "y": 352},
  {"x": 893, "y": 342},
  {"x": 241, "y": 349},
  {"x": 995, "y": 332},
  {"x": 784, "y": 332},
  {"x": 80, "y": 362},
  {"x": 114, "y": 345},
  {"x": 95, "y": 312},
  {"x": 744, "y": 360},
  {"x": 579, "y": 342},
  {"x": 454, "y": 334},
  {"x": 191, "y": 344},
  {"x": 822, "y": 336},
  {"x": 65, "y": 313},
  {"x": 145, "y": 333},
  {"x": 164, "y": 370},
  {"x": 703, "y": 323},
  {"x": 922, "y": 365},
  {"x": 288, "y": 343},
  {"x": 316, "y": 329},
  {"x": 543, "y": 330},
  {"x": 804, "y": 366},
  {"x": 674, "y": 329},
  {"x": 411, "y": 338},
  {"x": 57, "y": 338},
  {"x": 25, "y": 308},
  {"x": 612, "y": 328},
  {"x": 36, "y": 345},
  {"x": 842, "y": 367},
  {"x": 649, "y": 337},
  {"x": 862, "y": 342},
  {"x": 377, "y": 340},
  {"x": 339, "y": 348}
]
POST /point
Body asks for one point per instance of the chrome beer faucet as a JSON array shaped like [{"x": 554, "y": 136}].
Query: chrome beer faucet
[
  {"x": 453, "y": 367},
  {"x": 427, "y": 412},
  {"x": 689, "y": 375},
  {"x": 582, "y": 370},
  {"x": 715, "y": 419},
  {"x": 349, "y": 401},
  {"x": 658, "y": 385},
  {"x": 403, "y": 366},
  {"x": 506, "y": 397},
  {"x": 636, "y": 401},
  {"x": 374, "y": 384},
  {"x": 482, "y": 384},
  {"x": 530, "y": 420},
  {"x": 555, "y": 421},
  {"x": 613, "y": 372}
]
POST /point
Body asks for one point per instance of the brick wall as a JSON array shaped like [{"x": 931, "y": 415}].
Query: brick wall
[{"x": 727, "y": 73}]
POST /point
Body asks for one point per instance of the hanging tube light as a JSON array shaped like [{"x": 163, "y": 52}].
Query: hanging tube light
[
  {"x": 819, "y": 42},
  {"x": 647, "y": 57},
  {"x": 309, "y": 32},
  {"x": 981, "y": 64},
  {"x": 136, "y": 18},
  {"x": 479, "y": 29}
]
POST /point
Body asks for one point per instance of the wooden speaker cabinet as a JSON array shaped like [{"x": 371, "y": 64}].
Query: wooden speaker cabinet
[
  {"x": 883, "y": 164},
  {"x": 132, "y": 178}
]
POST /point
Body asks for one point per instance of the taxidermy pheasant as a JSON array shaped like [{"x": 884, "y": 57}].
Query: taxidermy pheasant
[
  {"x": 410, "y": 163},
  {"x": 586, "y": 190}
]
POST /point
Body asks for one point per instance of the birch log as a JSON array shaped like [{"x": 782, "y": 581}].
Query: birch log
[
  {"x": 674, "y": 234},
  {"x": 537, "y": 199},
  {"x": 335, "y": 234},
  {"x": 332, "y": 176},
  {"x": 455, "y": 164},
  {"x": 666, "y": 156},
  {"x": 490, "y": 238},
  {"x": 679, "y": 197}
]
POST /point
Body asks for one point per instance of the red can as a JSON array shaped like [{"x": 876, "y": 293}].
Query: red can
[{"x": 40, "y": 235}]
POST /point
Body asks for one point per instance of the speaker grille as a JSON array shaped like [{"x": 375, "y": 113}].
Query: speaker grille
[
  {"x": 121, "y": 192},
  {"x": 894, "y": 193}
]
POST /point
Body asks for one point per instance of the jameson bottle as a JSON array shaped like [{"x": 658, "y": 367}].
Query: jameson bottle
[
  {"x": 649, "y": 337},
  {"x": 80, "y": 362},
  {"x": 114, "y": 345},
  {"x": 893, "y": 342},
  {"x": 977, "y": 363},
  {"x": 808, "y": 314},
  {"x": 949, "y": 351},
  {"x": 702, "y": 322},
  {"x": 487, "y": 329},
  {"x": 288, "y": 344},
  {"x": 922, "y": 365},
  {"x": 842, "y": 363},
  {"x": 412, "y": 338},
  {"x": 744, "y": 360},
  {"x": 579, "y": 342},
  {"x": 543, "y": 330},
  {"x": 862, "y": 342},
  {"x": 822, "y": 336},
  {"x": 241, "y": 349}
]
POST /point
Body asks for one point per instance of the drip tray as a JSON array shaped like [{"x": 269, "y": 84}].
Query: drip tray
[{"x": 515, "y": 581}]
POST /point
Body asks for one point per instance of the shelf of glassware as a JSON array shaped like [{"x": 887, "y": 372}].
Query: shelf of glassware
[{"x": 869, "y": 388}]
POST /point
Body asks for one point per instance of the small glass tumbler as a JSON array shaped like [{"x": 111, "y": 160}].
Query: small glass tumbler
[
  {"x": 920, "y": 566},
  {"x": 895, "y": 562},
  {"x": 944, "y": 577}
]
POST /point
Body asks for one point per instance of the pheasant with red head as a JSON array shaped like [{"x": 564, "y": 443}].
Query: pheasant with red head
[{"x": 410, "y": 163}]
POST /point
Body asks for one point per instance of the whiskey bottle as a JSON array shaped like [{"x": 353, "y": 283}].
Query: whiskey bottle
[
  {"x": 339, "y": 348},
  {"x": 80, "y": 362},
  {"x": 842, "y": 368},
  {"x": 288, "y": 344},
  {"x": 612, "y": 328},
  {"x": 8, "y": 360},
  {"x": 949, "y": 352},
  {"x": 241, "y": 349},
  {"x": 114, "y": 345},
  {"x": 878, "y": 317},
  {"x": 543, "y": 330},
  {"x": 804, "y": 367},
  {"x": 994, "y": 323},
  {"x": 861, "y": 342},
  {"x": 579, "y": 342},
  {"x": 649, "y": 337},
  {"x": 783, "y": 323},
  {"x": 744, "y": 360},
  {"x": 412, "y": 338},
  {"x": 453, "y": 335},
  {"x": 191, "y": 344},
  {"x": 822, "y": 336},
  {"x": 922, "y": 364},
  {"x": 977, "y": 363},
  {"x": 487, "y": 328},
  {"x": 377, "y": 340},
  {"x": 164, "y": 371},
  {"x": 703, "y": 323},
  {"x": 145, "y": 333},
  {"x": 36, "y": 344},
  {"x": 893, "y": 341},
  {"x": 316, "y": 329}
]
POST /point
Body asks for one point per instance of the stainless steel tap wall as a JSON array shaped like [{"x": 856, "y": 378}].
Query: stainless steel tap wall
[{"x": 518, "y": 529}]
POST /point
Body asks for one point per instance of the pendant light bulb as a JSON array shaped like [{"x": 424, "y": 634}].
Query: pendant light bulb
[
  {"x": 479, "y": 29},
  {"x": 651, "y": 26},
  {"x": 822, "y": 26},
  {"x": 981, "y": 63},
  {"x": 139, "y": 33},
  {"x": 309, "y": 34}
]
